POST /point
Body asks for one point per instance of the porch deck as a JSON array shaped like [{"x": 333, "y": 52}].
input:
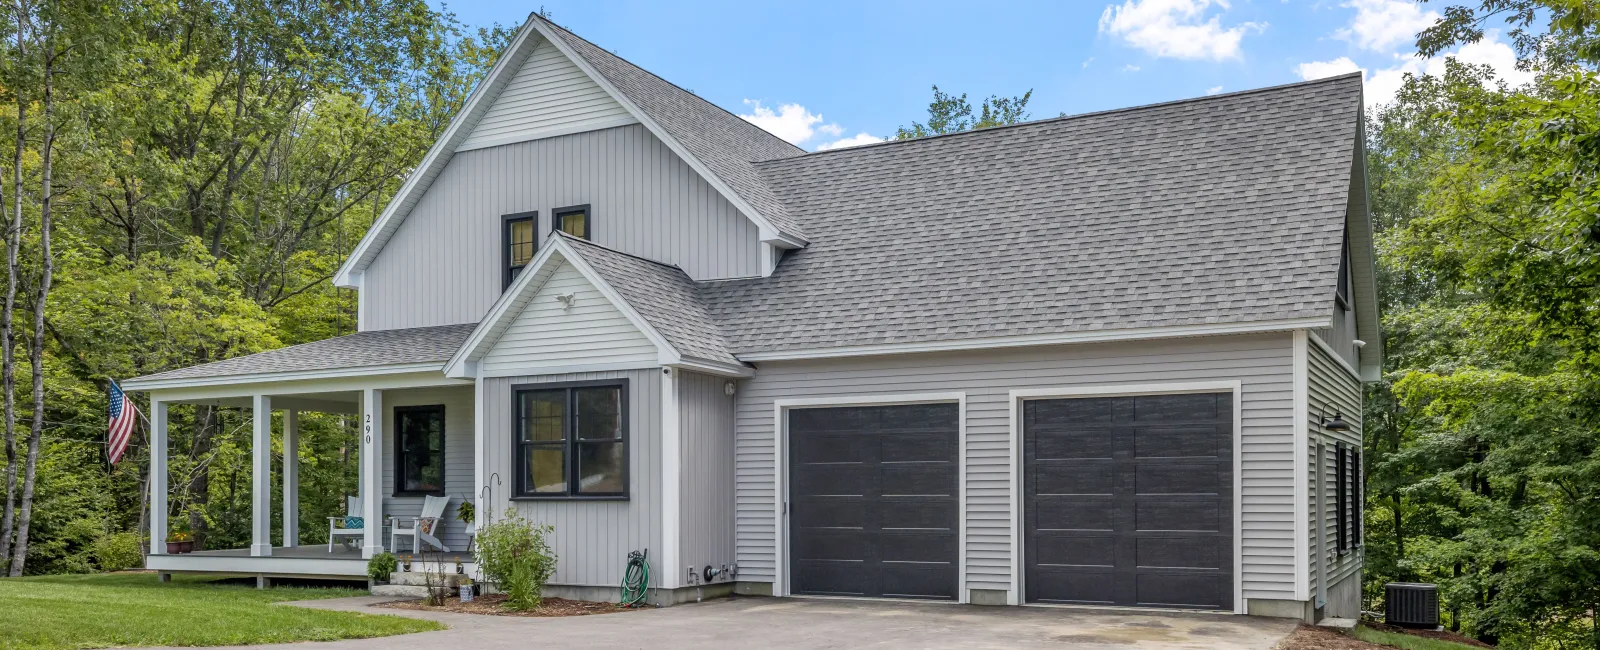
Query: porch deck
[{"x": 297, "y": 561}]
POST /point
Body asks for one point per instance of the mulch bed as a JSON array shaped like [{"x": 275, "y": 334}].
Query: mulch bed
[{"x": 490, "y": 604}]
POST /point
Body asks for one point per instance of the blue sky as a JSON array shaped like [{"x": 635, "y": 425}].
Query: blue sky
[{"x": 824, "y": 73}]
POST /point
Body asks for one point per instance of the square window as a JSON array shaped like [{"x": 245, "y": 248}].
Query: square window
[
  {"x": 572, "y": 441},
  {"x": 574, "y": 221}
]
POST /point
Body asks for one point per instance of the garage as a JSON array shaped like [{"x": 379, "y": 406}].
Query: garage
[
  {"x": 873, "y": 501},
  {"x": 1129, "y": 500}
]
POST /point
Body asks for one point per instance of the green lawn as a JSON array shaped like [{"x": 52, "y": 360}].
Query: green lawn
[
  {"x": 133, "y": 609},
  {"x": 1406, "y": 641}
]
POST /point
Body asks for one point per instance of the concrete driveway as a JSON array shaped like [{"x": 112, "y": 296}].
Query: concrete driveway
[{"x": 817, "y": 623}]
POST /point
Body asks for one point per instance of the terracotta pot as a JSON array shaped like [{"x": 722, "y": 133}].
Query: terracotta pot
[
  {"x": 186, "y": 547},
  {"x": 174, "y": 548}
]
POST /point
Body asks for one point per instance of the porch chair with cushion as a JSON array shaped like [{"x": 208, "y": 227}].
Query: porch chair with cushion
[
  {"x": 423, "y": 528},
  {"x": 349, "y": 528}
]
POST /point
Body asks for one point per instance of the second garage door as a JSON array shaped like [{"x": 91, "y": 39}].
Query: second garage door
[
  {"x": 1129, "y": 500},
  {"x": 873, "y": 501}
]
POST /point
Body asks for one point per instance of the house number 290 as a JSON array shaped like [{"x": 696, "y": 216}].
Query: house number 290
[{"x": 368, "y": 427}]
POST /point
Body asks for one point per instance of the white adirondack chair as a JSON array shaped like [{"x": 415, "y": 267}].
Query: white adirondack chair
[
  {"x": 423, "y": 528},
  {"x": 346, "y": 535}
]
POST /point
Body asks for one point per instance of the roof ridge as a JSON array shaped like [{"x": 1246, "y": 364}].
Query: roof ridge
[
  {"x": 1064, "y": 118},
  {"x": 537, "y": 16}
]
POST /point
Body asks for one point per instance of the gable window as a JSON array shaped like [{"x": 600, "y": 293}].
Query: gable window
[
  {"x": 521, "y": 242},
  {"x": 419, "y": 450},
  {"x": 572, "y": 441},
  {"x": 574, "y": 221},
  {"x": 1342, "y": 294}
]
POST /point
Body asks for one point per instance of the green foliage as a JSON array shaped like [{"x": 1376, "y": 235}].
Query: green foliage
[
  {"x": 951, "y": 114},
  {"x": 1405, "y": 641},
  {"x": 118, "y": 552},
  {"x": 381, "y": 566},
  {"x": 466, "y": 512},
  {"x": 515, "y": 554}
]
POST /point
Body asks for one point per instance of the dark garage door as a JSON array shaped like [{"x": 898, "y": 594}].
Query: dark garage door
[
  {"x": 1129, "y": 500},
  {"x": 872, "y": 501}
]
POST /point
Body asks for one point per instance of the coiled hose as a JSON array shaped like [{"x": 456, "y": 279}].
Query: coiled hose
[{"x": 636, "y": 580}]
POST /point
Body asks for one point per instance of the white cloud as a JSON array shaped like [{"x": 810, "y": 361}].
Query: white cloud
[
  {"x": 1087, "y": 61},
  {"x": 1176, "y": 29},
  {"x": 852, "y": 141},
  {"x": 1130, "y": 68},
  {"x": 1382, "y": 25},
  {"x": 791, "y": 122},
  {"x": 1382, "y": 84},
  {"x": 1213, "y": 90}
]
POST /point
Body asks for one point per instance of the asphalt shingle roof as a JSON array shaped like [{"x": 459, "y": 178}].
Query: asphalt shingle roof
[
  {"x": 727, "y": 145},
  {"x": 663, "y": 295},
  {"x": 1226, "y": 209},
  {"x": 360, "y": 350}
]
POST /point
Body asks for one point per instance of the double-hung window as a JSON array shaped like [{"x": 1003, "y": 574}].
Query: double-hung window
[
  {"x": 419, "y": 450},
  {"x": 574, "y": 221},
  {"x": 520, "y": 234},
  {"x": 572, "y": 440}
]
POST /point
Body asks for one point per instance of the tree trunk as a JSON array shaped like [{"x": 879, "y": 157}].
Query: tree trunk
[
  {"x": 19, "y": 556},
  {"x": 8, "y": 337}
]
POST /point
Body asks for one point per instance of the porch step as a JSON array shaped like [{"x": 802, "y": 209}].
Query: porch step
[
  {"x": 1338, "y": 624},
  {"x": 400, "y": 591},
  {"x": 419, "y": 579}
]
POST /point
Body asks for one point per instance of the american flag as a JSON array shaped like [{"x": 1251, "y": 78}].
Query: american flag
[{"x": 123, "y": 415}]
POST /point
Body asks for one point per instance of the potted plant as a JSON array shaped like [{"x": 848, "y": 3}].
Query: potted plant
[
  {"x": 180, "y": 542},
  {"x": 380, "y": 567},
  {"x": 405, "y": 563},
  {"x": 466, "y": 513}
]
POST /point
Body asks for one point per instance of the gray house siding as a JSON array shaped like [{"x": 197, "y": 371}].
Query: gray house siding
[
  {"x": 1330, "y": 388},
  {"x": 457, "y": 458},
  {"x": 706, "y": 415},
  {"x": 444, "y": 264},
  {"x": 591, "y": 538},
  {"x": 1263, "y": 363},
  {"x": 1341, "y": 337}
]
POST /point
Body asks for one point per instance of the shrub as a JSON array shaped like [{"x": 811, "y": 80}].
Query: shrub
[
  {"x": 381, "y": 565},
  {"x": 515, "y": 554},
  {"x": 118, "y": 552}
]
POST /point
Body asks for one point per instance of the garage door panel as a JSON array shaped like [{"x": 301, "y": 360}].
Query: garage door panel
[
  {"x": 1077, "y": 478},
  {"x": 1148, "y": 523},
  {"x": 1079, "y": 550},
  {"x": 1176, "y": 552},
  {"x": 900, "y": 528},
  {"x": 1074, "y": 513}
]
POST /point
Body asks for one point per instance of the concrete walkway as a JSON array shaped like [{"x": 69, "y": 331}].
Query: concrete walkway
[{"x": 817, "y": 623}]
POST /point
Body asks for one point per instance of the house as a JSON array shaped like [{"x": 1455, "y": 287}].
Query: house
[{"x": 1111, "y": 359}]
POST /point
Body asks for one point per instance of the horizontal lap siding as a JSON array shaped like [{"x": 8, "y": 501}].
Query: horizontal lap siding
[
  {"x": 546, "y": 334},
  {"x": 1332, "y": 387},
  {"x": 548, "y": 92},
  {"x": 1263, "y": 363},
  {"x": 591, "y": 538},
  {"x": 705, "y": 416},
  {"x": 457, "y": 458},
  {"x": 444, "y": 263}
]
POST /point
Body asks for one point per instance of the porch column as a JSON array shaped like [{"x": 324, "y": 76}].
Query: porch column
[
  {"x": 261, "y": 477},
  {"x": 291, "y": 478},
  {"x": 158, "y": 477},
  {"x": 372, "y": 471}
]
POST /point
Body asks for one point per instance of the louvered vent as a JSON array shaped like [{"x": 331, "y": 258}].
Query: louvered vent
[{"x": 1411, "y": 604}]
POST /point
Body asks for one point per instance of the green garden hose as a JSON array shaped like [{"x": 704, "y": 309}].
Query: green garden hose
[{"x": 636, "y": 580}]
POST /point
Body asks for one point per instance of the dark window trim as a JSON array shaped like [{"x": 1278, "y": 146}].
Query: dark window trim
[
  {"x": 588, "y": 217},
  {"x": 1342, "y": 506},
  {"x": 1356, "y": 503},
  {"x": 520, "y": 492},
  {"x": 505, "y": 243},
  {"x": 399, "y": 461},
  {"x": 1342, "y": 294}
]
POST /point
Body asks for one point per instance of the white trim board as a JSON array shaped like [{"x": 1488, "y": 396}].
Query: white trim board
[
  {"x": 1299, "y": 429},
  {"x": 1000, "y": 342},
  {"x": 1018, "y": 566},
  {"x": 342, "y": 384},
  {"x": 298, "y": 375},
  {"x": 780, "y": 474},
  {"x": 1315, "y": 338}
]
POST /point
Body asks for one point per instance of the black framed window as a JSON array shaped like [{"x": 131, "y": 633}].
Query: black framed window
[
  {"x": 572, "y": 440},
  {"x": 1356, "y": 488},
  {"x": 520, "y": 234},
  {"x": 1343, "y": 292},
  {"x": 419, "y": 450},
  {"x": 576, "y": 221},
  {"x": 1340, "y": 495}
]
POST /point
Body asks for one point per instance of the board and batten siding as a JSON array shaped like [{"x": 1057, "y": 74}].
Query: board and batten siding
[
  {"x": 1330, "y": 387},
  {"x": 547, "y": 95},
  {"x": 458, "y": 427},
  {"x": 1262, "y": 363},
  {"x": 706, "y": 417},
  {"x": 444, "y": 265},
  {"x": 591, "y": 538},
  {"x": 549, "y": 334}
]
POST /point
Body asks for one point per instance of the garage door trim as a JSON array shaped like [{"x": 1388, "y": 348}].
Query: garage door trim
[
  {"x": 780, "y": 473},
  {"x": 1018, "y": 396}
]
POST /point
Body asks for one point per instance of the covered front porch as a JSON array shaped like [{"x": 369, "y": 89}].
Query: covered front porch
[{"x": 430, "y": 459}]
